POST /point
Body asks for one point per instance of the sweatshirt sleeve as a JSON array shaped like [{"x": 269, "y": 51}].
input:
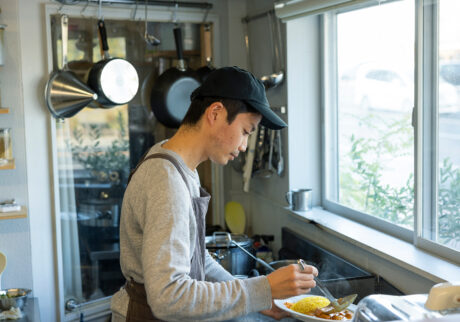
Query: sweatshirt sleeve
[
  {"x": 214, "y": 271},
  {"x": 171, "y": 293}
]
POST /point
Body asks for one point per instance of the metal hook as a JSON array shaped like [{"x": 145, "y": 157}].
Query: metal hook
[
  {"x": 134, "y": 12},
  {"x": 60, "y": 8},
  {"x": 174, "y": 13},
  {"x": 84, "y": 8},
  {"x": 206, "y": 15},
  {"x": 99, "y": 11}
]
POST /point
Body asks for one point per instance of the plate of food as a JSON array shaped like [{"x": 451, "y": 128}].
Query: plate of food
[{"x": 313, "y": 308}]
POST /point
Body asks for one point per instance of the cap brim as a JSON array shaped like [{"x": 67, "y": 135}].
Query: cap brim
[{"x": 269, "y": 118}]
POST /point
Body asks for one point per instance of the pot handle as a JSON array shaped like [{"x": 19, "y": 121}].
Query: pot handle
[
  {"x": 179, "y": 48},
  {"x": 103, "y": 39},
  {"x": 223, "y": 233}
]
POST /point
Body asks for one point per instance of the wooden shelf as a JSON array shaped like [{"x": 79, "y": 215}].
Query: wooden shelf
[
  {"x": 9, "y": 166},
  {"x": 4, "y": 110},
  {"x": 14, "y": 214}
]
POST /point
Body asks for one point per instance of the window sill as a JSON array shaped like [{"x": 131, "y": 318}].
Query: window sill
[{"x": 385, "y": 246}]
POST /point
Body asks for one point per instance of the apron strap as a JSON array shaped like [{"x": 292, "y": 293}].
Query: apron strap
[{"x": 161, "y": 156}]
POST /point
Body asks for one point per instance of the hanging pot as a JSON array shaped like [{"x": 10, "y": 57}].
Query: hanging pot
[
  {"x": 170, "y": 97},
  {"x": 65, "y": 94},
  {"x": 115, "y": 80}
]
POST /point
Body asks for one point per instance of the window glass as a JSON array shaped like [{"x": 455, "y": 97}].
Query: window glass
[
  {"x": 445, "y": 229},
  {"x": 97, "y": 147},
  {"x": 375, "y": 84}
]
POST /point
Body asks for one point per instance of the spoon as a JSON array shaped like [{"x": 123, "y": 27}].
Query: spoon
[
  {"x": 336, "y": 305},
  {"x": 2, "y": 266}
]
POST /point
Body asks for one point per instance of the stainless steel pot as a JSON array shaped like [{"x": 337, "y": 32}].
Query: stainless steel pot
[{"x": 230, "y": 256}]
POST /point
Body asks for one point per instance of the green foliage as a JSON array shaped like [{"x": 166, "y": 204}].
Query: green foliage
[
  {"x": 449, "y": 203},
  {"x": 106, "y": 163},
  {"x": 361, "y": 185}
]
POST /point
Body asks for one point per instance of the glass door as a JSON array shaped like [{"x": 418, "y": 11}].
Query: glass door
[{"x": 97, "y": 148}]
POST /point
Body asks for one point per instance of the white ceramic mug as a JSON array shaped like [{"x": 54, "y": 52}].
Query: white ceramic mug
[{"x": 300, "y": 199}]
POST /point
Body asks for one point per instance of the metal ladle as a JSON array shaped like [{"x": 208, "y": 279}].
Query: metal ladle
[
  {"x": 275, "y": 78},
  {"x": 336, "y": 305}
]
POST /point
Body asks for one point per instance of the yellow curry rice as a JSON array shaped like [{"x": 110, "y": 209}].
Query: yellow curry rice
[{"x": 309, "y": 304}]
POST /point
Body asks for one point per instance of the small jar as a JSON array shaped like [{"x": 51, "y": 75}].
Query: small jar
[{"x": 6, "y": 148}]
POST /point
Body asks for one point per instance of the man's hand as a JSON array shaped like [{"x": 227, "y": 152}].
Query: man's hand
[
  {"x": 275, "y": 312},
  {"x": 292, "y": 280}
]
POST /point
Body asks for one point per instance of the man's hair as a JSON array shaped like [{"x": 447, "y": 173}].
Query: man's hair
[{"x": 199, "y": 105}]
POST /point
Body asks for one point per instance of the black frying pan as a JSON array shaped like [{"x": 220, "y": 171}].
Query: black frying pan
[
  {"x": 170, "y": 97},
  {"x": 115, "y": 80}
]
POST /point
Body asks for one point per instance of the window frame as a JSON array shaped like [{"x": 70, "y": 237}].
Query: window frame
[{"x": 425, "y": 120}]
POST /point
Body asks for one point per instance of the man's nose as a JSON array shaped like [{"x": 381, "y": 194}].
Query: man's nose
[{"x": 243, "y": 145}]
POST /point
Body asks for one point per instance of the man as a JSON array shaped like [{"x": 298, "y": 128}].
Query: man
[{"x": 170, "y": 276}]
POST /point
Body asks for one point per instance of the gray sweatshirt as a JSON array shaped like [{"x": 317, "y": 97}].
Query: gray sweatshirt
[{"x": 157, "y": 234}]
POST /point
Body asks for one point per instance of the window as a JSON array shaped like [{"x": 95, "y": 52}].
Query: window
[
  {"x": 443, "y": 226},
  {"x": 393, "y": 135},
  {"x": 375, "y": 140}
]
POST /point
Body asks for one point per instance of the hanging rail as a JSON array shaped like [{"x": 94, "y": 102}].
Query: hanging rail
[
  {"x": 257, "y": 16},
  {"x": 163, "y": 3}
]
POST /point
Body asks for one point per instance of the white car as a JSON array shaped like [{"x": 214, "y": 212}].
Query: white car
[{"x": 370, "y": 86}]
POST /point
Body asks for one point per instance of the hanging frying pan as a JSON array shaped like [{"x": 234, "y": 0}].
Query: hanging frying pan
[
  {"x": 170, "y": 97},
  {"x": 206, "y": 48},
  {"x": 115, "y": 80}
]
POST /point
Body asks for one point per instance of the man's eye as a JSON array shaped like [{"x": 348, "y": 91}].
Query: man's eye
[{"x": 245, "y": 132}]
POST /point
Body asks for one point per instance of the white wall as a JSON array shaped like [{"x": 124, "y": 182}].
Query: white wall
[{"x": 15, "y": 239}]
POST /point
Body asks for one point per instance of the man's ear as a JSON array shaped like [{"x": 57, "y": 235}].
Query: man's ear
[{"x": 214, "y": 111}]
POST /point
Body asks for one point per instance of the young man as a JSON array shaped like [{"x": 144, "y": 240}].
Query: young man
[{"x": 170, "y": 275}]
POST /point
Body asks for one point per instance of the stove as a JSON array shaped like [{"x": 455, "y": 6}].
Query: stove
[{"x": 340, "y": 277}]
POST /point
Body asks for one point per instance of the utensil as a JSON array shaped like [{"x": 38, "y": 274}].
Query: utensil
[
  {"x": 170, "y": 96},
  {"x": 65, "y": 94},
  {"x": 280, "y": 164},
  {"x": 277, "y": 76},
  {"x": 149, "y": 39},
  {"x": 2, "y": 266},
  {"x": 267, "y": 172},
  {"x": 115, "y": 80},
  {"x": 247, "y": 171},
  {"x": 206, "y": 48},
  {"x": 235, "y": 217},
  {"x": 336, "y": 305}
]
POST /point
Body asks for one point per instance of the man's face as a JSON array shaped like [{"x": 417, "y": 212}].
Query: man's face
[{"x": 231, "y": 139}]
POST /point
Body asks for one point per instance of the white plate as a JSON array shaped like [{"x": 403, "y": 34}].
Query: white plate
[{"x": 304, "y": 317}]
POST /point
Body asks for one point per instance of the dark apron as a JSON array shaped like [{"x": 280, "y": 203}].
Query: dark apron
[{"x": 138, "y": 308}]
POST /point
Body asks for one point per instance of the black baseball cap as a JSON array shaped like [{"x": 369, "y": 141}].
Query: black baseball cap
[{"x": 236, "y": 83}]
